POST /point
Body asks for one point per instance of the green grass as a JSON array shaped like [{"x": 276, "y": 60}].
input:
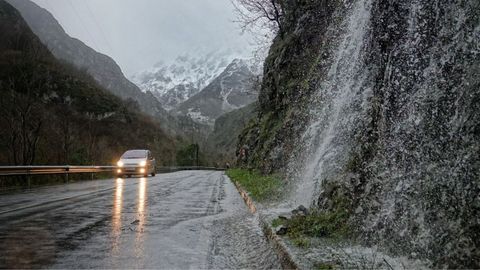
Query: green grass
[
  {"x": 260, "y": 187},
  {"x": 277, "y": 222},
  {"x": 302, "y": 242},
  {"x": 333, "y": 225},
  {"x": 329, "y": 224}
]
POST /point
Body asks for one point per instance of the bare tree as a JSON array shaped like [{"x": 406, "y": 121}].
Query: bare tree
[
  {"x": 92, "y": 139},
  {"x": 24, "y": 121},
  {"x": 20, "y": 109},
  {"x": 265, "y": 14},
  {"x": 67, "y": 132}
]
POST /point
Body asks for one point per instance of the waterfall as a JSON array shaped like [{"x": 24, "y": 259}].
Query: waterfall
[
  {"x": 394, "y": 127},
  {"x": 336, "y": 107}
]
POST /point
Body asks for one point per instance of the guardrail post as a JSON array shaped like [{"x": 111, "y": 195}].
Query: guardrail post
[
  {"x": 29, "y": 184},
  {"x": 66, "y": 174}
]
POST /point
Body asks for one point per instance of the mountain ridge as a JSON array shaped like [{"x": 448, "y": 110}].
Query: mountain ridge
[
  {"x": 233, "y": 89},
  {"x": 176, "y": 81},
  {"x": 54, "y": 113},
  {"x": 100, "y": 66}
]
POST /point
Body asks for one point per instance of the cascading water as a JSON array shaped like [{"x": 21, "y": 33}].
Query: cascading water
[
  {"x": 395, "y": 126},
  {"x": 336, "y": 107}
]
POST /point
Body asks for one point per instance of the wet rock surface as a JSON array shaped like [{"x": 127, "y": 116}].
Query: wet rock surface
[
  {"x": 180, "y": 220},
  {"x": 281, "y": 230},
  {"x": 372, "y": 106},
  {"x": 300, "y": 211}
]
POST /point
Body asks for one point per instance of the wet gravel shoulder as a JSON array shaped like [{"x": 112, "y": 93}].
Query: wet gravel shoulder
[
  {"x": 322, "y": 253},
  {"x": 327, "y": 253},
  {"x": 239, "y": 241}
]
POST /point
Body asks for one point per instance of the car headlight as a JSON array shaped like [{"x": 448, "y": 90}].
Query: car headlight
[
  {"x": 143, "y": 163},
  {"x": 120, "y": 163}
]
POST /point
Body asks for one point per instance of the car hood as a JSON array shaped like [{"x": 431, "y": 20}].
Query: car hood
[{"x": 127, "y": 162}]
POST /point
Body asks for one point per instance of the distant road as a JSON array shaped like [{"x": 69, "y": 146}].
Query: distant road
[{"x": 190, "y": 219}]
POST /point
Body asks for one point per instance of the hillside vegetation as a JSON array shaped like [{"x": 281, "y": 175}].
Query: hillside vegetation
[
  {"x": 52, "y": 113},
  {"x": 103, "y": 69},
  {"x": 223, "y": 140}
]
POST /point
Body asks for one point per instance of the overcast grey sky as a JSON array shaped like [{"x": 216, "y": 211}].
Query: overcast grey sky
[{"x": 139, "y": 33}]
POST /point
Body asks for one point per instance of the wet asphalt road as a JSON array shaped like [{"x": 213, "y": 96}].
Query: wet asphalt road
[{"x": 183, "y": 220}]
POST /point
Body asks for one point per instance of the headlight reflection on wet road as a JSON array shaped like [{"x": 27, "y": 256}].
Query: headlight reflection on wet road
[
  {"x": 117, "y": 213},
  {"x": 141, "y": 217},
  {"x": 119, "y": 201}
]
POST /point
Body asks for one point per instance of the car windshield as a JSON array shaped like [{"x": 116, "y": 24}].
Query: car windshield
[{"x": 135, "y": 154}]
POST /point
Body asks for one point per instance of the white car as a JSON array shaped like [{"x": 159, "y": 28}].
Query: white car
[{"x": 136, "y": 162}]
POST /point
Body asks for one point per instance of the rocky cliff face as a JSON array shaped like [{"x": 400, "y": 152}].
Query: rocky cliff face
[
  {"x": 233, "y": 89},
  {"x": 374, "y": 104},
  {"x": 101, "y": 67}
]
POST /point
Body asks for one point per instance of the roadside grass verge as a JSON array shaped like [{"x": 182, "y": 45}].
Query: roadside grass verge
[
  {"x": 260, "y": 187},
  {"x": 300, "y": 229}
]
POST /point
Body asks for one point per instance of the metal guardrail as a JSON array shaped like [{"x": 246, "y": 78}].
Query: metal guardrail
[
  {"x": 193, "y": 168},
  {"x": 46, "y": 170}
]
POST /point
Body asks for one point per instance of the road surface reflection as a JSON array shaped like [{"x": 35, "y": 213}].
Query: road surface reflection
[
  {"x": 117, "y": 214},
  {"x": 141, "y": 216},
  {"x": 182, "y": 220}
]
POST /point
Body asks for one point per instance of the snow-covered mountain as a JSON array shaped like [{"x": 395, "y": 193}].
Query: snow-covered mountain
[
  {"x": 176, "y": 81},
  {"x": 234, "y": 88},
  {"x": 101, "y": 67}
]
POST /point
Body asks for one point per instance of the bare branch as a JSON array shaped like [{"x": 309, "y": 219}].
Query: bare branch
[{"x": 264, "y": 14}]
